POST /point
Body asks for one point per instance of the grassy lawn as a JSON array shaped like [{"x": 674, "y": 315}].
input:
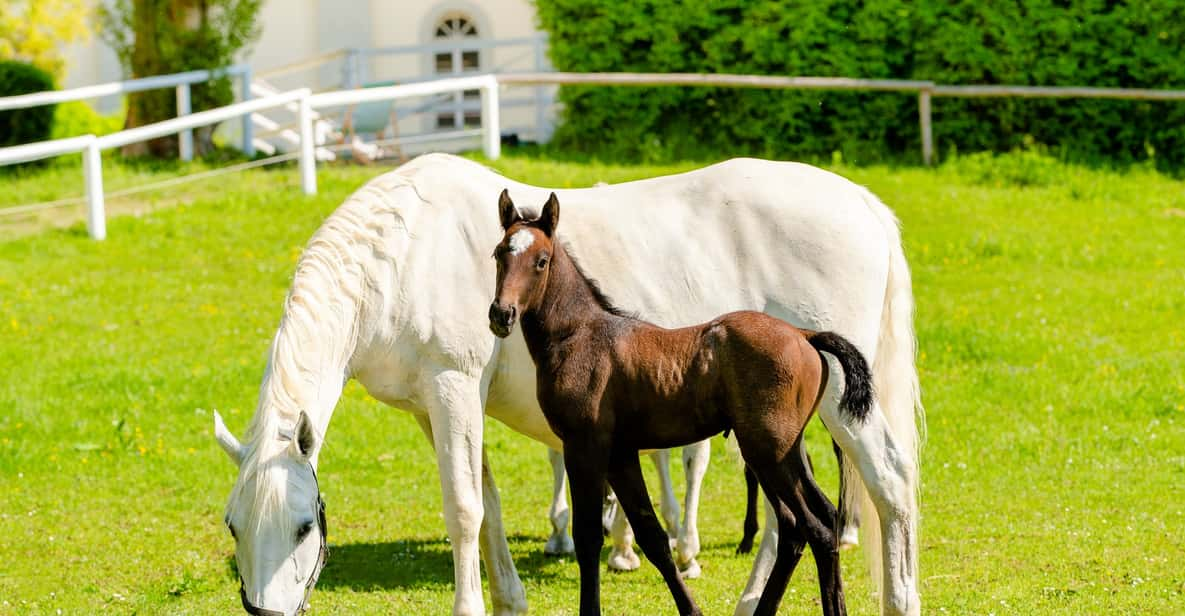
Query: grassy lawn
[{"x": 1051, "y": 317}]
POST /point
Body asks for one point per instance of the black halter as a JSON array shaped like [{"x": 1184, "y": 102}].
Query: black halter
[{"x": 322, "y": 556}]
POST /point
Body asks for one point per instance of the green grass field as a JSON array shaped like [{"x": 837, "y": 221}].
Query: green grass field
[{"x": 1051, "y": 319}]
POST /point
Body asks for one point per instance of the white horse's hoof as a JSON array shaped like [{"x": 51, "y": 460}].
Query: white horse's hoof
[
  {"x": 518, "y": 608},
  {"x": 559, "y": 545},
  {"x": 690, "y": 571},
  {"x": 849, "y": 539},
  {"x": 624, "y": 561}
]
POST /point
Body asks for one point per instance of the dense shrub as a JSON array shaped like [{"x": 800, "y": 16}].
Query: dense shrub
[
  {"x": 1027, "y": 42},
  {"x": 79, "y": 118},
  {"x": 24, "y": 125}
]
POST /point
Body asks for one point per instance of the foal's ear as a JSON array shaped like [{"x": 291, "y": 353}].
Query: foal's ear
[
  {"x": 507, "y": 213},
  {"x": 304, "y": 437},
  {"x": 550, "y": 216}
]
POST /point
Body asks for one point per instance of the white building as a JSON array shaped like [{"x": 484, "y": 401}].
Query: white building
[{"x": 330, "y": 44}]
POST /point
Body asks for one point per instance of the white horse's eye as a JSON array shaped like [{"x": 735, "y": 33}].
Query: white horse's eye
[{"x": 304, "y": 531}]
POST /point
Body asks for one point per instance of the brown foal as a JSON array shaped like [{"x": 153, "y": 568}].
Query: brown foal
[{"x": 611, "y": 385}]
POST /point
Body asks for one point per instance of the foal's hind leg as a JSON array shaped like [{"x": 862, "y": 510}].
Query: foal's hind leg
[
  {"x": 818, "y": 522},
  {"x": 625, "y": 476},
  {"x": 790, "y": 541}
]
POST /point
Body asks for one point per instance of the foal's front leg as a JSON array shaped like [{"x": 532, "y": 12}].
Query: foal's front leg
[
  {"x": 586, "y": 477},
  {"x": 625, "y": 476}
]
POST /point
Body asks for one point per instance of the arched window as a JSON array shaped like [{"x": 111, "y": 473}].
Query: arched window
[{"x": 458, "y": 31}]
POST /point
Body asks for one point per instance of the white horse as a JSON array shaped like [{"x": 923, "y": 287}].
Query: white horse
[{"x": 393, "y": 289}]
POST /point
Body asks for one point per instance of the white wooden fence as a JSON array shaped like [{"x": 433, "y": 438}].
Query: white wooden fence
[
  {"x": 179, "y": 81},
  {"x": 307, "y": 102}
]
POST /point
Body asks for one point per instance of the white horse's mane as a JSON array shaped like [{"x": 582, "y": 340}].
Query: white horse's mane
[{"x": 317, "y": 335}]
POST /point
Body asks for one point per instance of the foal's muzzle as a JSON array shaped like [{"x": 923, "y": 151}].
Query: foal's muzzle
[{"x": 502, "y": 319}]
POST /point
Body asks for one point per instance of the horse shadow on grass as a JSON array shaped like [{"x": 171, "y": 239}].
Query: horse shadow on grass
[{"x": 415, "y": 563}]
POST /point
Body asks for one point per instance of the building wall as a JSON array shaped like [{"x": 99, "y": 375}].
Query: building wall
[{"x": 295, "y": 30}]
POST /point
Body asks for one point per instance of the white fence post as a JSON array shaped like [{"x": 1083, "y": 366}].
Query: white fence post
[
  {"x": 92, "y": 168},
  {"x": 248, "y": 125},
  {"x": 491, "y": 131},
  {"x": 184, "y": 108},
  {"x": 308, "y": 158}
]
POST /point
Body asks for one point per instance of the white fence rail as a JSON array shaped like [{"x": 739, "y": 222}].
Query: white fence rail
[
  {"x": 179, "y": 81},
  {"x": 488, "y": 85}
]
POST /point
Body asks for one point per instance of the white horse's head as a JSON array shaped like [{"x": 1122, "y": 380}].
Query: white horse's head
[{"x": 277, "y": 518}]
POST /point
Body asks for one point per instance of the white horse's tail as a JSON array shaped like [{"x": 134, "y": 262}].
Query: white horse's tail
[{"x": 896, "y": 379}]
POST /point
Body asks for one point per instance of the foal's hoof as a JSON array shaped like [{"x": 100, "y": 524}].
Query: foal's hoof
[
  {"x": 690, "y": 570},
  {"x": 559, "y": 545},
  {"x": 849, "y": 539},
  {"x": 624, "y": 561}
]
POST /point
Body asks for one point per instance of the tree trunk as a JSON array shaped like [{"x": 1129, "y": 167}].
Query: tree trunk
[{"x": 151, "y": 106}]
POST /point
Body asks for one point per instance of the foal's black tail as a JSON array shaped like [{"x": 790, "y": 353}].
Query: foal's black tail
[{"x": 857, "y": 391}]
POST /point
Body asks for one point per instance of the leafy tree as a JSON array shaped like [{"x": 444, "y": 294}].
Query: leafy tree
[
  {"x": 158, "y": 37},
  {"x": 34, "y": 31}
]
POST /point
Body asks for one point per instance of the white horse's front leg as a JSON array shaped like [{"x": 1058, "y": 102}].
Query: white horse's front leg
[
  {"x": 559, "y": 542},
  {"x": 695, "y": 465},
  {"x": 455, "y": 410},
  {"x": 506, "y": 589}
]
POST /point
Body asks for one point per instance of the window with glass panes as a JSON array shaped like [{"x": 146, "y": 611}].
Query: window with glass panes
[{"x": 464, "y": 108}]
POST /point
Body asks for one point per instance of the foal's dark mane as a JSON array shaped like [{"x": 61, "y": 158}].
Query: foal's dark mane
[{"x": 595, "y": 288}]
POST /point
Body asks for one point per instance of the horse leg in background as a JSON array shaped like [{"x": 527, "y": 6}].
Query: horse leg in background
[
  {"x": 506, "y": 589},
  {"x": 849, "y": 512},
  {"x": 559, "y": 542},
  {"x": 670, "y": 502},
  {"x": 456, "y": 411},
  {"x": 625, "y": 476},
  {"x": 695, "y": 465},
  {"x": 751, "y": 493},
  {"x": 586, "y": 464},
  {"x": 622, "y": 557}
]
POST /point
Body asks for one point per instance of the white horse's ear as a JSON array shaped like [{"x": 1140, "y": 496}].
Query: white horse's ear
[
  {"x": 549, "y": 218},
  {"x": 304, "y": 437},
  {"x": 507, "y": 213},
  {"x": 229, "y": 443}
]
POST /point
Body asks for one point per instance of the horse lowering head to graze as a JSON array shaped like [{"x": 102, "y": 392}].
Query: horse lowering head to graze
[
  {"x": 393, "y": 292},
  {"x": 611, "y": 385},
  {"x": 277, "y": 519}
]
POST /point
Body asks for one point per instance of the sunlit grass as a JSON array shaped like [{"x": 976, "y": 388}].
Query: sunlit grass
[{"x": 1051, "y": 318}]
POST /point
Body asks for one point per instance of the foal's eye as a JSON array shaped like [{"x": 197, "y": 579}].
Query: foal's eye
[
  {"x": 304, "y": 531},
  {"x": 541, "y": 263}
]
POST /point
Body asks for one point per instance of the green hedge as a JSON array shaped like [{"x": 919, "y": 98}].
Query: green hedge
[
  {"x": 1028, "y": 42},
  {"x": 19, "y": 126}
]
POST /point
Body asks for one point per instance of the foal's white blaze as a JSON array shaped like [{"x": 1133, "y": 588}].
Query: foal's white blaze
[{"x": 521, "y": 241}]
